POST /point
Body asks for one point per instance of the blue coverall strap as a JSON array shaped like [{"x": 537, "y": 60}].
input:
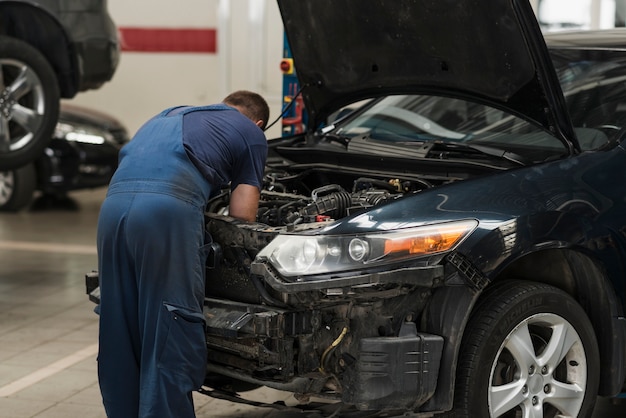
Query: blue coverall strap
[
  {"x": 170, "y": 109},
  {"x": 218, "y": 106}
]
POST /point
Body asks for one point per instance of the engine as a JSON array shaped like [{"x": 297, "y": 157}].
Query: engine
[{"x": 288, "y": 200}]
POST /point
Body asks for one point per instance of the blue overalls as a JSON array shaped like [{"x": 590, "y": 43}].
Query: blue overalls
[{"x": 152, "y": 253}]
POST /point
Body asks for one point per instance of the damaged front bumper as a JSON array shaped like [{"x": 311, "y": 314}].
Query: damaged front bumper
[{"x": 356, "y": 342}]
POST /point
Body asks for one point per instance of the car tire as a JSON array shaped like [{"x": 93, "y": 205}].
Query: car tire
[
  {"x": 29, "y": 103},
  {"x": 17, "y": 188},
  {"x": 505, "y": 369}
]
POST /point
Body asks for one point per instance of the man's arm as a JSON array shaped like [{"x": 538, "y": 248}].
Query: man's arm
[{"x": 244, "y": 202}]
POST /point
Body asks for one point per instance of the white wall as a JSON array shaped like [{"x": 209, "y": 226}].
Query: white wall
[
  {"x": 581, "y": 14},
  {"x": 249, "y": 49}
]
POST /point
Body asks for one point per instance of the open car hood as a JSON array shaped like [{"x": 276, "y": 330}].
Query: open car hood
[{"x": 492, "y": 51}]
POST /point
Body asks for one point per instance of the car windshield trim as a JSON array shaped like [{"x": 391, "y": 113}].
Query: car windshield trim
[
  {"x": 438, "y": 149},
  {"x": 484, "y": 150}
]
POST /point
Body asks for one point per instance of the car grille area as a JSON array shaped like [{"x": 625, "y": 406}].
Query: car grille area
[{"x": 335, "y": 358}]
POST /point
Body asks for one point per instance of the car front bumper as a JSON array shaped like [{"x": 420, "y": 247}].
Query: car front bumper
[{"x": 284, "y": 349}]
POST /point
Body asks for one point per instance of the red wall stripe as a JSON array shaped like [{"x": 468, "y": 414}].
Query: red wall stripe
[{"x": 168, "y": 40}]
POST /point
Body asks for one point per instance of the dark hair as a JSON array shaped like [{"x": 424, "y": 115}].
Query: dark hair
[{"x": 251, "y": 104}]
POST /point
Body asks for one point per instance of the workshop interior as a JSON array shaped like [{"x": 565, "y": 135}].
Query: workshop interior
[{"x": 440, "y": 226}]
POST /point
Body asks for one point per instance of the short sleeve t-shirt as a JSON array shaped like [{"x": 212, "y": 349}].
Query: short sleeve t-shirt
[{"x": 225, "y": 146}]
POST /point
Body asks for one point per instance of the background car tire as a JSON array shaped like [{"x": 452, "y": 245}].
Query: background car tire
[
  {"x": 29, "y": 102},
  {"x": 503, "y": 345},
  {"x": 17, "y": 188}
]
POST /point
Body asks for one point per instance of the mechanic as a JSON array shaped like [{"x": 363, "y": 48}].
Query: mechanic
[{"x": 152, "y": 249}]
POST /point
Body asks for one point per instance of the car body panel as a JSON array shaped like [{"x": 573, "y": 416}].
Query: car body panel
[
  {"x": 78, "y": 37},
  {"x": 72, "y": 165},
  {"x": 60, "y": 48},
  {"x": 504, "y": 62},
  {"x": 81, "y": 154},
  {"x": 82, "y": 115}
]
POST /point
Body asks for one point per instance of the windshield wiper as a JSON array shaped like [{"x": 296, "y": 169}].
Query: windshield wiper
[
  {"x": 341, "y": 139},
  {"x": 444, "y": 148}
]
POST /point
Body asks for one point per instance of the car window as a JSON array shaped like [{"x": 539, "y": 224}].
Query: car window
[{"x": 594, "y": 85}]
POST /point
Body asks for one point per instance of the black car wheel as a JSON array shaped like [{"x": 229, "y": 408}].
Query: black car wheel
[
  {"x": 29, "y": 103},
  {"x": 17, "y": 188},
  {"x": 529, "y": 351}
]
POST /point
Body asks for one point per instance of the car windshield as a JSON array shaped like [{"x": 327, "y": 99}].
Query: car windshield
[
  {"x": 418, "y": 118},
  {"x": 404, "y": 119}
]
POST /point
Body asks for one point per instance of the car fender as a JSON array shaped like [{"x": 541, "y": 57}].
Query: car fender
[
  {"x": 590, "y": 271},
  {"x": 38, "y": 26},
  {"x": 572, "y": 269}
]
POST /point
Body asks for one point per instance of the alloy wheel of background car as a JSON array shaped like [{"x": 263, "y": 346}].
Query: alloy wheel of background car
[
  {"x": 528, "y": 351},
  {"x": 17, "y": 188},
  {"x": 29, "y": 103}
]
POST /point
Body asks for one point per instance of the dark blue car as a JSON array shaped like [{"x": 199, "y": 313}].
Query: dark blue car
[
  {"x": 82, "y": 153},
  {"x": 455, "y": 244}
]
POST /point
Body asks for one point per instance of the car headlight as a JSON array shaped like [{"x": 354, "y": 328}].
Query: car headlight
[
  {"x": 82, "y": 133},
  {"x": 302, "y": 255}
]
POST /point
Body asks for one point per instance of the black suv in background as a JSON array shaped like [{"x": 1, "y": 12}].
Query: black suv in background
[{"x": 49, "y": 49}]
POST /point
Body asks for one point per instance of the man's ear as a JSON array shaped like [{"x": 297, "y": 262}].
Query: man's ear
[{"x": 259, "y": 123}]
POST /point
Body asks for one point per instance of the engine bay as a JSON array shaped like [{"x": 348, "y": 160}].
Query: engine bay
[{"x": 312, "y": 195}]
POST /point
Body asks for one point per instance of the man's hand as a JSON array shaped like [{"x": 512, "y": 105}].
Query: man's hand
[{"x": 244, "y": 202}]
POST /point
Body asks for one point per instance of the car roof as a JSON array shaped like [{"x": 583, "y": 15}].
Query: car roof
[
  {"x": 593, "y": 39},
  {"x": 348, "y": 50}
]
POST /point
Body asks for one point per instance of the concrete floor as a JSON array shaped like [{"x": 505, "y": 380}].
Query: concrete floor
[{"x": 48, "y": 331}]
